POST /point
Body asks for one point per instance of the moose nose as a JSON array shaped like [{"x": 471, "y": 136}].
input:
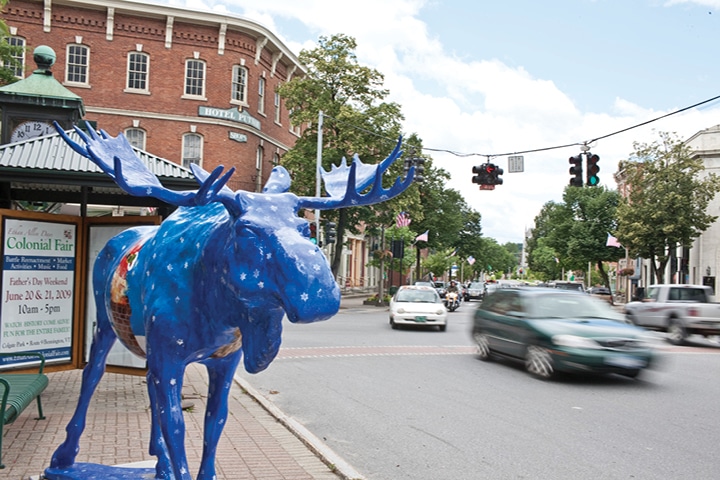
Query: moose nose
[{"x": 319, "y": 302}]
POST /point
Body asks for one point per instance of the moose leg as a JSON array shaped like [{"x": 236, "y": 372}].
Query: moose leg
[
  {"x": 163, "y": 469},
  {"x": 220, "y": 373},
  {"x": 103, "y": 340},
  {"x": 166, "y": 376}
]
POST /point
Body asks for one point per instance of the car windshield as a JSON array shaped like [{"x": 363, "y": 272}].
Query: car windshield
[
  {"x": 477, "y": 286},
  {"x": 416, "y": 296},
  {"x": 569, "y": 306}
]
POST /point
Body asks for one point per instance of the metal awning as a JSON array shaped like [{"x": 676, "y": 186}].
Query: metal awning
[{"x": 46, "y": 169}]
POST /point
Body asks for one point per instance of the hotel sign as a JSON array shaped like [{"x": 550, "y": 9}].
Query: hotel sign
[{"x": 232, "y": 114}]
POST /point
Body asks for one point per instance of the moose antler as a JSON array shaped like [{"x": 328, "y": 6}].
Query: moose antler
[
  {"x": 351, "y": 181},
  {"x": 116, "y": 157}
]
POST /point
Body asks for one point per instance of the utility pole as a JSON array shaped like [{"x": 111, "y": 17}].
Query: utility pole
[{"x": 319, "y": 166}]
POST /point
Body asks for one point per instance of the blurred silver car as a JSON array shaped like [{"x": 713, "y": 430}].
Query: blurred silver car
[
  {"x": 475, "y": 291},
  {"x": 417, "y": 305}
]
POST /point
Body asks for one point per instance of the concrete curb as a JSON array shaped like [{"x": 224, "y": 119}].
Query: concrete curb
[{"x": 325, "y": 453}]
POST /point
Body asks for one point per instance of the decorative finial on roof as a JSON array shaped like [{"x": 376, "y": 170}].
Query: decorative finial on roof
[{"x": 44, "y": 57}]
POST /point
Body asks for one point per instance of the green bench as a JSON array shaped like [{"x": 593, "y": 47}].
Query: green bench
[{"x": 18, "y": 391}]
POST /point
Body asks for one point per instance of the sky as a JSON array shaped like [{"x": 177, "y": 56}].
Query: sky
[{"x": 481, "y": 80}]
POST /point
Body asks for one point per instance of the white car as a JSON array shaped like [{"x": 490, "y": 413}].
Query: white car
[{"x": 418, "y": 305}]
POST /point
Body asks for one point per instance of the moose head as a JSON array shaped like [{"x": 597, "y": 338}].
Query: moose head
[{"x": 211, "y": 284}]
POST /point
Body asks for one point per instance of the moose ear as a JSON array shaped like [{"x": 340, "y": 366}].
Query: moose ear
[{"x": 279, "y": 181}]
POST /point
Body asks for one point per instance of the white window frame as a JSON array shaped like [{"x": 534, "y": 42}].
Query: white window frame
[
  {"x": 71, "y": 77},
  {"x": 192, "y": 153},
  {"x": 133, "y": 135},
  {"x": 145, "y": 76},
  {"x": 18, "y": 70},
  {"x": 277, "y": 108},
  {"x": 191, "y": 82},
  {"x": 261, "y": 95},
  {"x": 238, "y": 95}
]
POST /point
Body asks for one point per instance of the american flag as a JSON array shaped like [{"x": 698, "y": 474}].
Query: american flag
[{"x": 402, "y": 220}]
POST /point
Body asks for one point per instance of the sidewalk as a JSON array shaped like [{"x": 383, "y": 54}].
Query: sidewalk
[{"x": 258, "y": 442}]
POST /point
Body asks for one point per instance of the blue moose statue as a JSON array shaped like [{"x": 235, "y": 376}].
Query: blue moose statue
[{"x": 210, "y": 284}]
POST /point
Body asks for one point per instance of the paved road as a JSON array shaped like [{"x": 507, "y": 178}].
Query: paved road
[{"x": 419, "y": 405}]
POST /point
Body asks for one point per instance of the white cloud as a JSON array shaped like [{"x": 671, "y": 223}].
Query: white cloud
[{"x": 472, "y": 105}]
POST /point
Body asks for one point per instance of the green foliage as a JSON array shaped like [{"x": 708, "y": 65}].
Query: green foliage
[
  {"x": 356, "y": 121},
  {"x": 574, "y": 232},
  {"x": 7, "y": 53},
  {"x": 667, "y": 201}
]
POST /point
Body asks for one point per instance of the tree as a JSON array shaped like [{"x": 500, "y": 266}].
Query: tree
[
  {"x": 667, "y": 200},
  {"x": 574, "y": 233},
  {"x": 356, "y": 121},
  {"x": 8, "y": 52}
]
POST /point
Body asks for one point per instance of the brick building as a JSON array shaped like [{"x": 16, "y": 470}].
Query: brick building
[{"x": 188, "y": 86}]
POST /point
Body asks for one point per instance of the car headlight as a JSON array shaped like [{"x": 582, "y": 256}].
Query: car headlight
[
  {"x": 440, "y": 311},
  {"x": 400, "y": 310},
  {"x": 573, "y": 341}
]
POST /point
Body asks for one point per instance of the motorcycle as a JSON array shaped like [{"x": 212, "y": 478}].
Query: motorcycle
[{"x": 452, "y": 301}]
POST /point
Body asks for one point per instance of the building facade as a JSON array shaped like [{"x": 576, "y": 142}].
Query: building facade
[
  {"x": 704, "y": 256},
  {"x": 191, "y": 87},
  {"x": 187, "y": 86}
]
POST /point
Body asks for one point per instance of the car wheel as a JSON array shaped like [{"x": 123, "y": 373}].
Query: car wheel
[
  {"x": 631, "y": 373},
  {"x": 538, "y": 362},
  {"x": 442, "y": 328},
  {"x": 483, "y": 346},
  {"x": 676, "y": 332},
  {"x": 393, "y": 325}
]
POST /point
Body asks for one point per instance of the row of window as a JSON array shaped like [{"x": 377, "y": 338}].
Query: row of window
[
  {"x": 138, "y": 76},
  {"x": 192, "y": 148}
]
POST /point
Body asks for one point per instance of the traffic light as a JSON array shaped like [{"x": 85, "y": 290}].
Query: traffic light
[
  {"x": 407, "y": 162},
  {"x": 313, "y": 233},
  {"x": 592, "y": 169},
  {"x": 419, "y": 163},
  {"x": 481, "y": 174},
  {"x": 576, "y": 171},
  {"x": 397, "y": 247},
  {"x": 330, "y": 232},
  {"x": 494, "y": 172}
]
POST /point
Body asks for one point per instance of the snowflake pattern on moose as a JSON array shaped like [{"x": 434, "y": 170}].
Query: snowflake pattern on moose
[{"x": 211, "y": 284}]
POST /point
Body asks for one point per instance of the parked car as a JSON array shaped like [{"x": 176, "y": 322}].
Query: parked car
[
  {"x": 601, "y": 292},
  {"x": 418, "y": 305},
  {"x": 554, "y": 330},
  {"x": 475, "y": 291},
  {"x": 425, "y": 284},
  {"x": 574, "y": 286},
  {"x": 680, "y": 310}
]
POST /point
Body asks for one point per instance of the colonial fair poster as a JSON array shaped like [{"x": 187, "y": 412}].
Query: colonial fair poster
[{"x": 38, "y": 280}]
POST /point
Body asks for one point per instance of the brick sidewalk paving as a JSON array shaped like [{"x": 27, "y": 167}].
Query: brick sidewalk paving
[{"x": 254, "y": 444}]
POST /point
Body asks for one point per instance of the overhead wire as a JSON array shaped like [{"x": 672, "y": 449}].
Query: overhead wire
[{"x": 543, "y": 149}]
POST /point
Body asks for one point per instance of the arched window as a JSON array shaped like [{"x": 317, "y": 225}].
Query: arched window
[
  {"x": 136, "y": 137},
  {"x": 192, "y": 149}
]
